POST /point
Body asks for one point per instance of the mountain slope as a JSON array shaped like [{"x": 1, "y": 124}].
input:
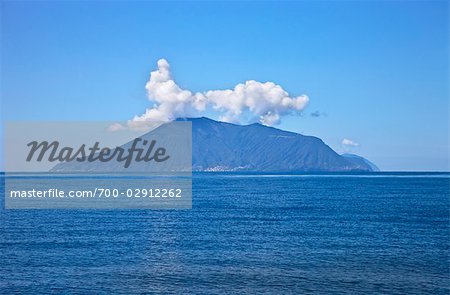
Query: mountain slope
[
  {"x": 219, "y": 146},
  {"x": 360, "y": 161}
]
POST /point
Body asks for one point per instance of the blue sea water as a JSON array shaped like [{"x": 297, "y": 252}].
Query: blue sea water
[{"x": 362, "y": 233}]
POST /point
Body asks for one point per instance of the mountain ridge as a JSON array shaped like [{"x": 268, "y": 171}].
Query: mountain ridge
[{"x": 221, "y": 146}]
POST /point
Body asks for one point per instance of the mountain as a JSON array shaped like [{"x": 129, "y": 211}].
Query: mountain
[
  {"x": 219, "y": 146},
  {"x": 360, "y": 161}
]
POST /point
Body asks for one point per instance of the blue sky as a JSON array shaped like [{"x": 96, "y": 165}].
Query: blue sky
[{"x": 377, "y": 71}]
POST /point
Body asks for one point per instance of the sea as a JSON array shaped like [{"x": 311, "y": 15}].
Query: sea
[{"x": 378, "y": 233}]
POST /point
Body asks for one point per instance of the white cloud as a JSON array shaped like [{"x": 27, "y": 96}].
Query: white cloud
[
  {"x": 349, "y": 143},
  {"x": 116, "y": 127},
  {"x": 247, "y": 102}
]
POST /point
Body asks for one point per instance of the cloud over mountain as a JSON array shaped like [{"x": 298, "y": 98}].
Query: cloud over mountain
[
  {"x": 247, "y": 102},
  {"x": 349, "y": 143}
]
